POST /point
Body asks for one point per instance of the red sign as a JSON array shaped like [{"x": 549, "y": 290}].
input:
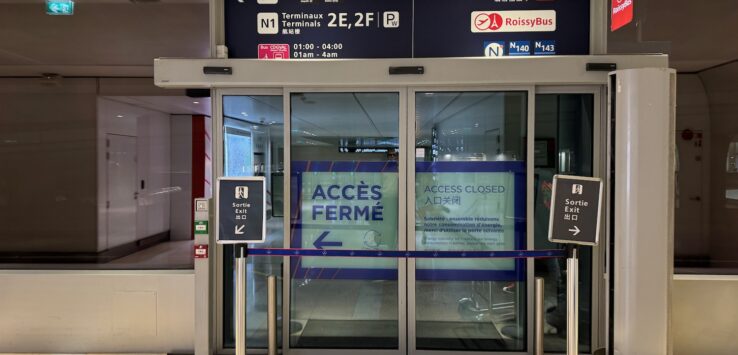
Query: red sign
[
  {"x": 274, "y": 51},
  {"x": 622, "y": 13},
  {"x": 201, "y": 251}
]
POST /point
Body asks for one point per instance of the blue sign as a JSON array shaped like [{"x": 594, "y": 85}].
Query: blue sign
[
  {"x": 60, "y": 7},
  {"x": 240, "y": 210},
  {"x": 319, "y": 29},
  {"x": 345, "y": 208},
  {"x": 544, "y": 47},
  {"x": 519, "y": 48},
  {"x": 331, "y": 29}
]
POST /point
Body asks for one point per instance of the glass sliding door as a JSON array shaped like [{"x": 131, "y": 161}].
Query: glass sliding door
[
  {"x": 565, "y": 131},
  {"x": 471, "y": 171},
  {"x": 470, "y": 195},
  {"x": 344, "y": 190},
  {"x": 253, "y": 145}
]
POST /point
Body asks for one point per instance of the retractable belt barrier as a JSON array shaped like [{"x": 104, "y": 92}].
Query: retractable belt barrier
[{"x": 501, "y": 254}]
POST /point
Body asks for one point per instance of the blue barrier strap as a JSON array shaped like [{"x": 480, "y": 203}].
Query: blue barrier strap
[{"x": 504, "y": 254}]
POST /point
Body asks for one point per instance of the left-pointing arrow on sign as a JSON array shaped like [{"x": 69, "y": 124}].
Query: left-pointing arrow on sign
[
  {"x": 321, "y": 242},
  {"x": 239, "y": 229}
]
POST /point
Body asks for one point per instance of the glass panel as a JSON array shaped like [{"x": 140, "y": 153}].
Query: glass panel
[
  {"x": 116, "y": 177},
  {"x": 470, "y": 194},
  {"x": 253, "y": 146},
  {"x": 344, "y": 194},
  {"x": 564, "y": 133}
]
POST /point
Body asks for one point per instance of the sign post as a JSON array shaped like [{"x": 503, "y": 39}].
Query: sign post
[
  {"x": 575, "y": 219},
  {"x": 240, "y": 213}
]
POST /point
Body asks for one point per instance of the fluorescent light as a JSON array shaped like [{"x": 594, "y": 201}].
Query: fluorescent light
[
  {"x": 119, "y": 116},
  {"x": 195, "y": 102}
]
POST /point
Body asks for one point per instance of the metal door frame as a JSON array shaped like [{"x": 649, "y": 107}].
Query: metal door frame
[
  {"x": 254, "y": 77},
  {"x": 401, "y": 222},
  {"x": 406, "y": 269},
  {"x": 530, "y": 132},
  {"x": 600, "y": 152},
  {"x": 218, "y": 165}
]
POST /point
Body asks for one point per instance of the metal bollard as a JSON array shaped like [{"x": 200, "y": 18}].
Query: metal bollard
[
  {"x": 539, "y": 316},
  {"x": 572, "y": 304},
  {"x": 272, "y": 314},
  {"x": 240, "y": 301}
]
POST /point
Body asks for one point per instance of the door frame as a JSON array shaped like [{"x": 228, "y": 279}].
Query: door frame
[
  {"x": 401, "y": 223},
  {"x": 255, "y": 77},
  {"x": 216, "y": 266},
  {"x": 410, "y": 232},
  {"x": 109, "y": 138}
]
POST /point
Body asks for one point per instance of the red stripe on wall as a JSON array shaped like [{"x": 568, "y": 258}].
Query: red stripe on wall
[{"x": 199, "y": 141}]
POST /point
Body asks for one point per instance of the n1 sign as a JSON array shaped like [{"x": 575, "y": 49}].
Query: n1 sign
[{"x": 622, "y": 13}]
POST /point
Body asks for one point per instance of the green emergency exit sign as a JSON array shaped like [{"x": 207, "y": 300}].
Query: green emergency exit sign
[{"x": 60, "y": 7}]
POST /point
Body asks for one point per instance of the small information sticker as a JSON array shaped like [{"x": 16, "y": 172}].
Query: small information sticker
[
  {"x": 201, "y": 251},
  {"x": 201, "y": 227},
  {"x": 274, "y": 51},
  {"x": 240, "y": 210},
  {"x": 575, "y": 210}
]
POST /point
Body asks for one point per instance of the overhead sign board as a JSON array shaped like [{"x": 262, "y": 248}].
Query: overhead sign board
[
  {"x": 575, "y": 210},
  {"x": 240, "y": 210},
  {"x": 622, "y": 13},
  {"x": 331, "y": 29},
  {"x": 318, "y": 29}
]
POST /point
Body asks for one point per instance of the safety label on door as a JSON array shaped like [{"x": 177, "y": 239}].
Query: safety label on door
[{"x": 575, "y": 210}]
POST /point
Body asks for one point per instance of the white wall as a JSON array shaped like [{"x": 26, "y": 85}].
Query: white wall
[
  {"x": 181, "y": 151},
  {"x": 704, "y": 314},
  {"x": 47, "y": 166},
  {"x": 154, "y": 165},
  {"x": 152, "y": 132},
  {"x": 97, "y": 312}
]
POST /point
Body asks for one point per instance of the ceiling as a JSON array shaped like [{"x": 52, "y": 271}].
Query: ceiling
[{"x": 102, "y": 38}]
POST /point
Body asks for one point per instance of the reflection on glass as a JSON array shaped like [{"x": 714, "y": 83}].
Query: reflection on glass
[
  {"x": 253, "y": 146},
  {"x": 470, "y": 195},
  {"x": 238, "y": 152},
  {"x": 344, "y": 195},
  {"x": 564, "y": 131}
]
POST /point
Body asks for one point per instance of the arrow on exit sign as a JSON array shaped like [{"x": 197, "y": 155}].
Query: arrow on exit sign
[{"x": 60, "y": 7}]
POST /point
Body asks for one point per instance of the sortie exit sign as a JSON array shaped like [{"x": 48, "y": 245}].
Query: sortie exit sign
[{"x": 60, "y": 7}]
